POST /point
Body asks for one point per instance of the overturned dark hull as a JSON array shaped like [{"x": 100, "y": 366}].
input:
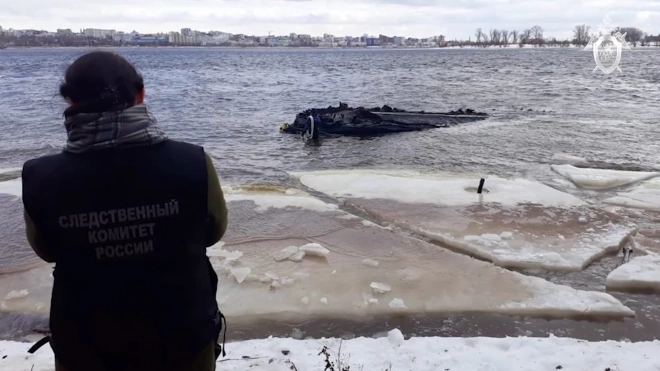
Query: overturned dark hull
[{"x": 344, "y": 120}]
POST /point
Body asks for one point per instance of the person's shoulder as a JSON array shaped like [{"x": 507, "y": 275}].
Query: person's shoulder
[
  {"x": 45, "y": 160},
  {"x": 182, "y": 145}
]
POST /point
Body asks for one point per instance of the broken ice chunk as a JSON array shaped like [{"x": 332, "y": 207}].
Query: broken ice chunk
[
  {"x": 324, "y": 301},
  {"x": 297, "y": 257},
  {"x": 314, "y": 249},
  {"x": 506, "y": 235},
  {"x": 398, "y": 303},
  {"x": 229, "y": 255},
  {"x": 395, "y": 337},
  {"x": 370, "y": 262},
  {"x": 272, "y": 276},
  {"x": 491, "y": 237},
  {"x": 240, "y": 273},
  {"x": 285, "y": 253},
  {"x": 16, "y": 294},
  {"x": 380, "y": 288}
]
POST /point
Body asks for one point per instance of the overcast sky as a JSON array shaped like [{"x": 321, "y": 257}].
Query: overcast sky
[{"x": 411, "y": 18}]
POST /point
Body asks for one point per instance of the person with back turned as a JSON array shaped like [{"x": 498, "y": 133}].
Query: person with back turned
[{"x": 126, "y": 215}]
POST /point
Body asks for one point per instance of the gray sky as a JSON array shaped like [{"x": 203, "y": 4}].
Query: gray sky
[{"x": 411, "y": 18}]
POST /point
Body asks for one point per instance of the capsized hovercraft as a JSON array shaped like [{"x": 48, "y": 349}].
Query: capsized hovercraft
[{"x": 360, "y": 121}]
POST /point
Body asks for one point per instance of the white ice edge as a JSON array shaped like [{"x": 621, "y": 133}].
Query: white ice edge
[
  {"x": 12, "y": 187},
  {"x": 645, "y": 196},
  {"x": 536, "y": 257},
  {"x": 640, "y": 273},
  {"x": 266, "y": 201},
  {"x": 440, "y": 189},
  {"x": 392, "y": 351},
  {"x": 601, "y": 179}
]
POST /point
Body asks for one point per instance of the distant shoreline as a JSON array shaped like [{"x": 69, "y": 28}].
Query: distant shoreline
[{"x": 455, "y": 47}]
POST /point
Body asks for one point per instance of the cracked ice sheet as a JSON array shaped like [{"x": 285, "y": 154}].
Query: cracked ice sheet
[
  {"x": 641, "y": 273},
  {"x": 427, "y": 279},
  {"x": 514, "y": 223},
  {"x": 601, "y": 179},
  {"x": 645, "y": 196}
]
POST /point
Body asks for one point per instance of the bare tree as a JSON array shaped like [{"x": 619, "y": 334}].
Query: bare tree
[
  {"x": 505, "y": 37},
  {"x": 581, "y": 34},
  {"x": 495, "y": 36},
  {"x": 633, "y": 34},
  {"x": 537, "y": 32},
  {"x": 479, "y": 34},
  {"x": 525, "y": 36},
  {"x": 514, "y": 36}
]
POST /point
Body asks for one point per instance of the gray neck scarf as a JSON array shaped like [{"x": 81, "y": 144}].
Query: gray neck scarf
[{"x": 133, "y": 126}]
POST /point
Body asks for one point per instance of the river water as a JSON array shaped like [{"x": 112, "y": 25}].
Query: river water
[{"x": 232, "y": 101}]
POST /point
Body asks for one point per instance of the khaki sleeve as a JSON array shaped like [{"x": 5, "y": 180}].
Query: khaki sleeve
[
  {"x": 36, "y": 242},
  {"x": 216, "y": 204}
]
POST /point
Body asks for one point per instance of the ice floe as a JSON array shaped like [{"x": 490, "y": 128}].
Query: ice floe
[
  {"x": 645, "y": 196},
  {"x": 514, "y": 223},
  {"x": 274, "y": 200},
  {"x": 641, "y": 273},
  {"x": 12, "y": 187},
  {"x": 421, "y": 277},
  {"x": 601, "y": 179},
  {"x": 424, "y": 188},
  {"x": 562, "y": 158}
]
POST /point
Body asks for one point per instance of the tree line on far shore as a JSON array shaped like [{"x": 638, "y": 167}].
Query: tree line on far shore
[{"x": 534, "y": 36}]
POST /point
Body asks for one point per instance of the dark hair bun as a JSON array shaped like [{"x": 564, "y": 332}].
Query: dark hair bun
[{"x": 100, "y": 81}]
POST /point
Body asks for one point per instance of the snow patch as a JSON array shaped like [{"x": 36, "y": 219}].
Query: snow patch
[
  {"x": 416, "y": 353},
  {"x": 601, "y": 179}
]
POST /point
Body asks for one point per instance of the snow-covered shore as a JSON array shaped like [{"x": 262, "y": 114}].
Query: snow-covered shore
[{"x": 392, "y": 352}]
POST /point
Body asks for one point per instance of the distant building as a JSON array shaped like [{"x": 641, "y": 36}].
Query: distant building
[
  {"x": 98, "y": 33},
  {"x": 150, "y": 40}
]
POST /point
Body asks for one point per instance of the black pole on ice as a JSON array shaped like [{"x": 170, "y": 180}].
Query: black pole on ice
[{"x": 481, "y": 185}]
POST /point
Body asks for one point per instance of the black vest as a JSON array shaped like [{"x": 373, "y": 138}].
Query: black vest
[{"x": 127, "y": 226}]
